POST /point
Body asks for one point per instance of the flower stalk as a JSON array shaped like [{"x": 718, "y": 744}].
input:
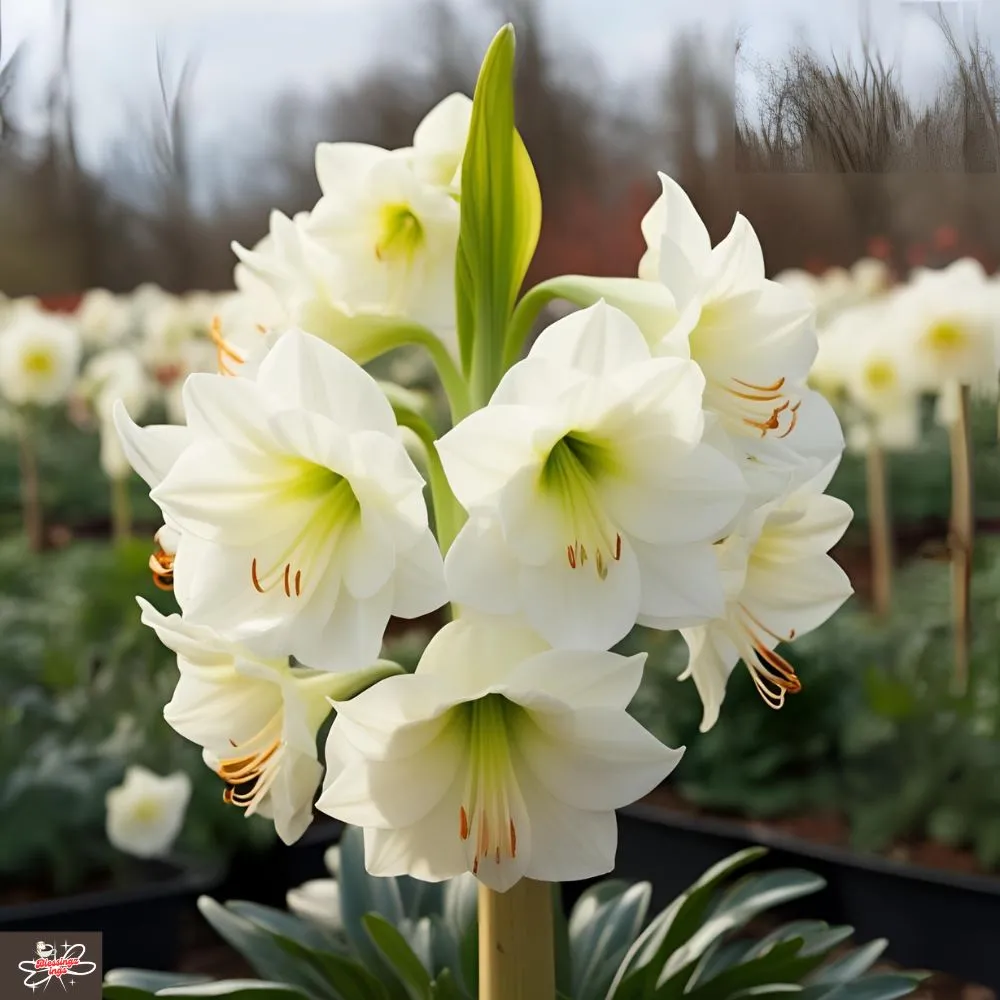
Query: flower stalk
[
  {"x": 516, "y": 943},
  {"x": 879, "y": 530},
  {"x": 121, "y": 509},
  {"x": 961, "y": 535},
  {"x": 31, "y": 505}
]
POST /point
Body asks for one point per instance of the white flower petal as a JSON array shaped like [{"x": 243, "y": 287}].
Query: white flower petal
[
  {"x": 151, "y": 451},
  {"x": 597, "y": 341},
  {"x": 480, "y": 569},
  {"x": 680, "y": 586},
  {"x": 324, "y": 380},
  {"x": 593, "y": 758}
]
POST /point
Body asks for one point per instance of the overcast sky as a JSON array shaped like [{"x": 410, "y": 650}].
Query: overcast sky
[{"x": 248, "y": 51}]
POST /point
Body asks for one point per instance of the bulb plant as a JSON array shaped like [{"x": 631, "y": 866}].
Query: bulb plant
[{"x": 655, "y": 457}]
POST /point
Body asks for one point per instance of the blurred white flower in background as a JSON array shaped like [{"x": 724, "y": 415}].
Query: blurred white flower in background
[
  {"x": 39, "y": 356},
  {"x": 145, "y": 813},
  {"x": 317, "y": 900},
  {"x": 105, "y": 319}
]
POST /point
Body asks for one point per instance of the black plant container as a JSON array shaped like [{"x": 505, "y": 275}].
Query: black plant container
[
  {"x": 265, "y": 876},
  {"x": 937, "y": 920},
  {"x": 140, "y": 923}
]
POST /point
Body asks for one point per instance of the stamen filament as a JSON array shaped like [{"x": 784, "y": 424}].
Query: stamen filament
[{"x": 485, "y": 814}]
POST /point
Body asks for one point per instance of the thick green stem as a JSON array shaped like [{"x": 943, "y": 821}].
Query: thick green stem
[
  {"x": 523, "y": 318},
  {"x": 390, "y": 334},
  {"x": 121, "y": 509},
  {"x": 448, "y": 513}
]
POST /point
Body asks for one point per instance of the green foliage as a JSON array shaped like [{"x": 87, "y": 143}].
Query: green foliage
[
  {"x": 82, "y": 689},
  {"x": 876, "y": 735},
  {"x": 400, "y": 939}
]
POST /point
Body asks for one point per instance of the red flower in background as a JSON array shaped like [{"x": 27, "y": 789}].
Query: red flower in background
[
  {"x": 65, "y": 303},
  {"x": 945, "y": 238},
  {"x": 880, "y": 248}
]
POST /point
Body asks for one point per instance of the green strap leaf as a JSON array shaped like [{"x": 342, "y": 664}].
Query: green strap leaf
[
  {"x": 672, "y": 927},
  {"x": 500, "y": 220},
  {"x": 237, "y": 989},
  {"x": 604, "y": 923},
  {"x": 850, "y": 966},
  {"x": 400, "y": 956},
  {"x": 147, "y": 981},
  {"x": 344, "y": 977},
  {"x": 261, "y": 949}
]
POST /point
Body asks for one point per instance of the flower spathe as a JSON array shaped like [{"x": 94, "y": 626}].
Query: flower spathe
[
  {"x": 780, "y": 583},
  {"x": 593, "y": 501},
  {"x": 499, "y": 756},
  {"x": 302, "y": 518},
  {"x": 145, "y": 813}
]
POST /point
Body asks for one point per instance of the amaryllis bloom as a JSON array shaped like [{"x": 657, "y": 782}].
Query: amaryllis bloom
[
  {"x": 593, "y": 501},
  {"x": 39, "y": 356},
  {"x": 394, "y": 234},
  {"x": 302, "y": 518},
  {"x": 753, "y": 338},
  {"x": 499, "y": 756},
  {"x": 104, "y": 319},
  {"x": 780, "y": 583},
  {"x": 949, "y": 319},
  {"x": 256, "y": 720},
  {"x": 145, "y": 813}
]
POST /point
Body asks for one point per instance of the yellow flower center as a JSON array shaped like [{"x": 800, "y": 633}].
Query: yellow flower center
[
  {"x": 401, "y": 233},
  {"x": 331, "y": 509},
  {"x": 571, "y": 472},
  {"x": 147, "y": 810},
  {"x": 38, "y": 361},
  {"x": 879, "y": 375},
  {"x": 485, "y": 815},
  {"x": 946, "y": 337}
]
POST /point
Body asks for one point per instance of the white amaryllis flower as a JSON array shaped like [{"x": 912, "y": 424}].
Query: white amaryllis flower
[
  {"x": 381, "y": 241},
  {"x": 499, "y": 756},
  {"x": 104, "y": 319},
  {"x": 780, "y": 583},
  {"x": 302, "y": 518},
  {"x": 39, "y": 356},
  {"x": 593, "y": 501},
  {"x": 753, "y": 338},
  {"x": 145, "y": 813},
  {"x": 394, "y": 234},
  {"x": 256, "y": 720}
]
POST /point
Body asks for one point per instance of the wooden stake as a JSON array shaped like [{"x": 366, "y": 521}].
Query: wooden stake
[
  {"x": 516, "y": 943},
  {"x": 31, "y": 504},
  {"x": 121, "y": 509},
  {"x": 880, "y": 530},
  {"x": 961, "y": 537}
]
